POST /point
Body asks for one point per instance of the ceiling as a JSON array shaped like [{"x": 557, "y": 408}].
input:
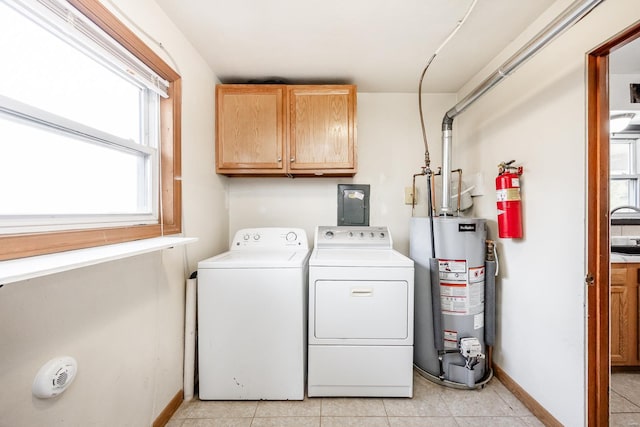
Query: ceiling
[{"x": 379, "y": 45}]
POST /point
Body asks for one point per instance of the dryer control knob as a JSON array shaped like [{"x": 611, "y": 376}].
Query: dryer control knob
[
  {"x": 291, "y": 236},
  {"x": 246, "y": 237},
  {"x": 256, "y": 237},
  {"x": 328, "y": 235}
]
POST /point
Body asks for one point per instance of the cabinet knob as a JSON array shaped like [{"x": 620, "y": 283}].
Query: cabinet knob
[
  {"x": 279, "y": 159},
  {"x": 293, "y": 159}
]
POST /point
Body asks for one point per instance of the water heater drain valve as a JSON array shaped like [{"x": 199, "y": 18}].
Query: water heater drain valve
[{"x": 471, "y": 348}]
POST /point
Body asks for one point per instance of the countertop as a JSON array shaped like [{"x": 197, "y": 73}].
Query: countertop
[{"x": 623, "y": 258}]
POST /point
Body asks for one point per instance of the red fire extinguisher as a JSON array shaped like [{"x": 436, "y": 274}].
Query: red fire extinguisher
[{"x": 509, "y": 203}]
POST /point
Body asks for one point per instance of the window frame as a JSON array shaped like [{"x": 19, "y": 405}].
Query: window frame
[
  {"x": 170, "y": 192},
  {"x": 628, "y": 218},
  {"x": 633, "y": 177}
]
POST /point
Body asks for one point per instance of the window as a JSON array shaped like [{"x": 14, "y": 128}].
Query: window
[
  {"x": 624, "y": 189},
  {"x": 90, "y": 119}
]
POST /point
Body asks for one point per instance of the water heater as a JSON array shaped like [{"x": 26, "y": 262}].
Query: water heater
[{"x": 453, "y": 317}]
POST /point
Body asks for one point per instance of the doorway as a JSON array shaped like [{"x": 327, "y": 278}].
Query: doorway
[{"x": 598, "y": 286}]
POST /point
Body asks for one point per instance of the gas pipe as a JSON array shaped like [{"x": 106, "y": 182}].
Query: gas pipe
[{"x": 509, "y": 202}]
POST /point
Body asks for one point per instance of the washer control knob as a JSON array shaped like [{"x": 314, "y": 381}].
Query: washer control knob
[
  {"x": 361, "y": 234},
  {"x": 351, "y": 234},
  {"x": 246, "y": 237},
  {"x": 291, "y": 236},
  {"x": 382, "y": 235},
  {"x": 372, "y": 234},
  {"x": 328, "y": 234},
  {"x": 256, "y": 236}
]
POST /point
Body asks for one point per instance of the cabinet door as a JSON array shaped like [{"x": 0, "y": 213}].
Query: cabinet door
[
  {"x": 322, "y": 130},
  {"x": 623, "y": 328},
  {"x": 250, "y": 129},
  {"x": 619, "y": 325}
]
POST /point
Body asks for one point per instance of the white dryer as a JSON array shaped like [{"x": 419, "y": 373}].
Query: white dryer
[
  {"x": 252, "y": 311},
  {"x": 360, "y": 314}
]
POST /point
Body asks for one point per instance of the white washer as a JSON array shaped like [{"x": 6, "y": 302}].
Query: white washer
[
  {"x": 360, "y": 314},
  {"x": 252, "y": 317}
]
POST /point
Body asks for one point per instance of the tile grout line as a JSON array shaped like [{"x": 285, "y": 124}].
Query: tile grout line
[
  {"x": 622, "y": 396},
  {"x": 504, "y": 401}
]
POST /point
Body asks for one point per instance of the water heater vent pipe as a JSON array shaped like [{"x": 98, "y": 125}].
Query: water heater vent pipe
[{"x": 576, "y": 11}]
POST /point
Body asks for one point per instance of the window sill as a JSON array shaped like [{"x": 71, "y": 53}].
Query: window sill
[{"x": 28, "y": 268}]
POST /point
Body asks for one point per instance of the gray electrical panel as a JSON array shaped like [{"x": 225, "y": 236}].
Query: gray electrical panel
[{"x": 353, "y": 204}]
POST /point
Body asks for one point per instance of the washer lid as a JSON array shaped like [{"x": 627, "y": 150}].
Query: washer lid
[
  {"x": 358, "y": 258},
  {"x": 257, "y": 259}
]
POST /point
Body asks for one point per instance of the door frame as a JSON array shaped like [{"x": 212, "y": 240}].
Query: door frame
[{"x": 598, "y": 286}]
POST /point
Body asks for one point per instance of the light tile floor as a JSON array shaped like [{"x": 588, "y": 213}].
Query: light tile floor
[
  {"x": 624, "y": 399},
  {"x": 431, "y": 405}
]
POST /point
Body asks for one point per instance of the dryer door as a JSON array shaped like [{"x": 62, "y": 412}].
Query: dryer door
[{"x": 361, "y": 309}]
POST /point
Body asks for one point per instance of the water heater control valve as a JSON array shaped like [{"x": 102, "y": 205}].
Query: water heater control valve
[{"x": 470, "y": 347}]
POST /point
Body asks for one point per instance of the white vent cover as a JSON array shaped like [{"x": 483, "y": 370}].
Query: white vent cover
[{"x": 54, "y": 377}]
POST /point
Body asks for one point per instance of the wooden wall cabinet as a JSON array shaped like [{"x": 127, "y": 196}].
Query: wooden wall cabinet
[
  {"x": 250, "y": 129},
  {"x": 286, "y": 130},
  {"x": 624, "y": 314}
]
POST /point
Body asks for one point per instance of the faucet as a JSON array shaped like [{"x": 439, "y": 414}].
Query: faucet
[{"x": 633, "y": 208}]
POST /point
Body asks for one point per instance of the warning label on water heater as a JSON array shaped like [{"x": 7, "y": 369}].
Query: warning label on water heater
[
  {"x": 452, "y": 266},
  {"x": 461, "y": 291},
  {"x": 450, "y": 339}
]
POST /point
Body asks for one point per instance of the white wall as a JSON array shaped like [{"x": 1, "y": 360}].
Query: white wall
[
  {"x": 123, "y": 321},
  {"x": 538, "y": 117},
  {"x": 619, "y": 97},
  {"x": 390, "y": 151},
  {"x": 625, "y": 230},
  {"x": 120, "y": 321}
]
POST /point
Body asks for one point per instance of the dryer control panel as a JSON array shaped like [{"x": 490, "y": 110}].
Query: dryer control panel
[
  {"x": 270, "y": 238},
  {"x": 353, "y": 237}
]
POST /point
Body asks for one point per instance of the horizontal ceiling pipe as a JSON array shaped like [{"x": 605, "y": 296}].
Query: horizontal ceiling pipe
[{"x": 576, "y": 11}]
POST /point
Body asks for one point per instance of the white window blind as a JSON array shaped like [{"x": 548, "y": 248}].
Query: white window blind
[
  {"x": 80, "y": 119},
  {"x": 69, "y": 22}
]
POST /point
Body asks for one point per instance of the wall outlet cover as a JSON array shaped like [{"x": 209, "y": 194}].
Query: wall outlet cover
[{"x": 409, "y": 197}]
